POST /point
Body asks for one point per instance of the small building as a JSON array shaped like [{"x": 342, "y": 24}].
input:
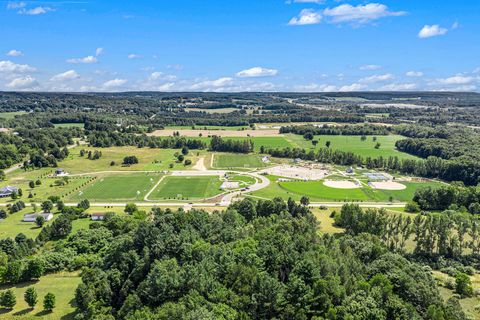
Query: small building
[
  {"x": 98, "y": 216},
  {"x": 33, "y": 217},
  {"x": 8, "y": 191},
  {"x": 61, "y": 173}
]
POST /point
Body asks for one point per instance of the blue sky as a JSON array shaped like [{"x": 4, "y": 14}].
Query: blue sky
[{"x": 262, "y": 45}]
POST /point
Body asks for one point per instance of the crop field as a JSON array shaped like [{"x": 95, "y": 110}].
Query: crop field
[
  {"x": 181, "y": 187},
  {"x": 354, "y": 144},
  {"x": 62, "y": 285},
  {"x": 119, "y": 187},
  {"x": 237, "y": 161}
]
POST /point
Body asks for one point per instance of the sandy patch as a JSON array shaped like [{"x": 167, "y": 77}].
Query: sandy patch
[
  {"x": 387, "y": 185},
  {"x": 341, "y": 184},
  {"x": 296, "y": 172},
  {"x": 200, "y": 165},
  {"x": 220, "y": 133}
]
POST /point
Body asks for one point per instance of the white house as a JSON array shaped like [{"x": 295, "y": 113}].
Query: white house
[
  {"x": 7, "y": 191},
  {"x": 98, "y": 216},
  {"x": 33, "y": 217},
  {"x": 61, "y": 173}
]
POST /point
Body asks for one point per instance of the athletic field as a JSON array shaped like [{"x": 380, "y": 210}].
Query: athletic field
[
  {"x": 237, "y": 161},
  {"x": 187, "y": 188}
]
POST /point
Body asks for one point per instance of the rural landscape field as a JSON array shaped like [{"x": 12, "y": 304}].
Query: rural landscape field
[{"x": 252, "y": 160}]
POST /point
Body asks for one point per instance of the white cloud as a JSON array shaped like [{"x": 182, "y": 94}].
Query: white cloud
[
  {"x": 14, "y": 53},
  {"x": 35, "y": 11},
  {"x": 353, "y": 87},
  {"x": 86, "y": 60},
  {"x": 456, "y": 80},
  {"x": 455, "y": 25},
  {"x": 27, "y": 82},
  {"x": 313, "y": 87},
  {"x": 360, "y": 13},
  {"x": 307, "y": 1},
  {"x": 114, "y": 83},
  {"x": 257, "y": 72},
  {"x": 306, "y": 17},
  {"x": 370, "y": 67},
  {"x": 459, "y": 88},
  {"x": 134, "y": 56},
  {"x": 432, "y": 31},
  {"x": 65, "y": 76},
  {"x": 414, "y": 74},
  {"x": 156, "y": 76},
  {"x": 16, "y": 5},
  {"x": 177, "y": 67},
  {"x": 99, "y": 52},
  {"x": 377, "y": 78},
  {"x": 210, "y": 85},
  {"x": 399, "y": 87},
  {"x": 7, "y": 66}
]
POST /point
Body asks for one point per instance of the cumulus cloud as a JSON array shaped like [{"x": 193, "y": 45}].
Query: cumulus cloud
[
  {"x": 21, "y": 83},
  {"x": 35, "y": 11},
  {"x": 210, "y": 85},
  {"x": 377, "y": 78},
  {"x": 86, "y": 60},
  {"x": 306, "y": 17},
  {"x": 257, "y": 72},
  {"x": 16, "y": 5},
  {"x": 114, "y": 83},
  {"x": 65, "y": 76},
  {"x": 456, "y": 80},
  {"x": 361, "y": 13},
  {"x": 370, "y": 67},
  {"x": 134, "y": 56},
  {"x": 429, "y": 31},
  {"x": 156, "y": 76},
  {"x": 7, "y": 66},
  {"x": 353, "y": 87},
  {"x": 314, "y": 87},
  {"x": 14, "y": 53},
  {"x": 414, "y": 74}
]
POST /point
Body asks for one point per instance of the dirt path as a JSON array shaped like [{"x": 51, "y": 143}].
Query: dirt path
[{"x": 200, "y": 165}]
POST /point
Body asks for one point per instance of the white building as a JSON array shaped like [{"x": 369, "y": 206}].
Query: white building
[
  {"x": 33, "y": 217},
  {"x": 98, "y": 216}
]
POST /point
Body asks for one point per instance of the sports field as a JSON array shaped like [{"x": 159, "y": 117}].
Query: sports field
[
  {"x": 62, "y": 285},
  {"x": 181, "y": 187},
  {"x": 119, "y": 187},
  {"x": 237, "y": 161},
  {"x": 317, "y": 190},
  {"x": 355, "y": 144}
]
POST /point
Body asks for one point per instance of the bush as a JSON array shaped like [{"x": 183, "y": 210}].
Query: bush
[{"x": 412, "y": 207}]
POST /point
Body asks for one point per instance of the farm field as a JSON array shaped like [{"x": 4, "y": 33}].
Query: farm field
[
  {"x": 194, "y": 187},
  {"x": 200, "y": 127},
  {"x": 355, "y": 145},
  {"x": 62, "y": 285},
  {"x": 237, "y": 161},
  {"x": 192, "y": 133},
  {"x": 124, "y": 186}
]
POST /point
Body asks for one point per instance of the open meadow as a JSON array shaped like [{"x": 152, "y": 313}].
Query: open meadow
[{"x": 229, "y": 160}]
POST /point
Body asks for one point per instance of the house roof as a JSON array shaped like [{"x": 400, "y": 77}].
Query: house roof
[{"x": 8, "y": 189}]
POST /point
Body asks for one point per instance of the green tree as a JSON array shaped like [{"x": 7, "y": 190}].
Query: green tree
[
  {"x": 47, "y": 206},
  {"x": 328, "y": 144},
  {"x": 463, "y": 285},
  {"x": 40, "y": 221},
  {"x": 130, "y": 208},
  {"x": 49, "y": 301},
  {"x": 31, "y": 184},
  {"x": 31, "y": 297},
  {"x": 8, "y": 299},
  {"x": 185, "y": 150},
  {"x": 305, "y": 201}
]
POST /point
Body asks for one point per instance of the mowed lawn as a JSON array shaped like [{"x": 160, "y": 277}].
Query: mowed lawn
[
  {"x": 237, "y": 161},
  {"x": 194, "y": 187},
  {"x": 317, "y": 190},
  {"x": 62, "y": 285},
  {"x": 354, "y": 144},
  {"x": 11, "y": 115},
  {"x": 123, "y": 186}
]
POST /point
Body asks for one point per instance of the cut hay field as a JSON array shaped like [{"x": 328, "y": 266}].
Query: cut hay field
[
  {"x": 11, "y": 115},
  {"x": 200, "y": 127},
  {"x": 355, "y": 145},
  {"x": 187, "y": 188},
  {"x": 69, "y": 125},
  {"x": 237, "y": 161},
  {"x": 193, "y": 133},
  {"x": 62, "y": 285},
  {"x": 123, "y": 186}
]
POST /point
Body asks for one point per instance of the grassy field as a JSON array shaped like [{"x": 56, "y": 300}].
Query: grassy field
[
  {"x": 317, "y": 191},
  {"x": 268, "y": 142},
  {"x": 355, "y": 145},
  {"x": 62, "y": 285},
  {"x": 237, "y": 161},
  {"x": 124, "y": 186},
  {"x": 195, "y": 187},
  {"x": 11, "y": 115},
  {"x": 13, "y": 225},
  {"x": 69, "y": 125},
  {"x": 199, "y": 127}
]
